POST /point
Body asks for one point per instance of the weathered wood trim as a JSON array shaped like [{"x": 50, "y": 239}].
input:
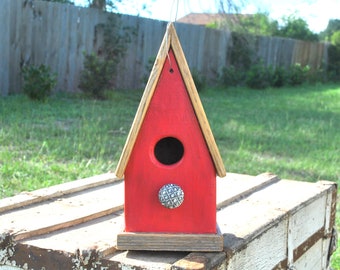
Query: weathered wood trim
[
  {"x": 37, "y": 254},
  {"x": 44, "y": 194},
  {"x": 170, "y": 242},
  {"x": 7, "y": 248},
  {"x": 307, "y": 244},
  {"x": 66, "y": 224},
  {"x": 281, "y": 265},
  {"x": 196, "y": 102},
  {"x": 333, "y": 195},
  {"x": 144, "y": 104},
  {"x": 198, "y": 261}
]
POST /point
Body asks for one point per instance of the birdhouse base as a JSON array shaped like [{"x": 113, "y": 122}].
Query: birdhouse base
[{"x": 170, "y": 242}]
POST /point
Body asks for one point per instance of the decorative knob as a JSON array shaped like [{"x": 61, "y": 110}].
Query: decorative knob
[{"x": 171, "y": 196}]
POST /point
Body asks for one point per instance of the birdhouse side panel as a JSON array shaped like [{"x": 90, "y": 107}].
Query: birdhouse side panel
[{"x": 170, "y": 149}]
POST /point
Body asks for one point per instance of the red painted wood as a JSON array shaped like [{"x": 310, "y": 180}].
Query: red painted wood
[{"x": 170, "y": 113}]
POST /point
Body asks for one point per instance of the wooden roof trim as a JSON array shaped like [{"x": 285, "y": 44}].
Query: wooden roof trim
[
  {"x": 196, "y": 102},
  {"x": 143, "y": 105},
  {"x": 170, "y": 39}
]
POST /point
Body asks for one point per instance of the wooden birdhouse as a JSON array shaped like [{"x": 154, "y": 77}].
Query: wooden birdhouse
[{"x": 170, "y": 162}]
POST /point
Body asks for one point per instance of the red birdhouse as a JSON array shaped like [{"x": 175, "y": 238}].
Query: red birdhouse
[{"x": 170, "y": 162}]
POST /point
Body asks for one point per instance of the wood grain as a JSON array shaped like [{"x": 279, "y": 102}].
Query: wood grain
[
  {"x": 196, "y": 102},
  {"x": 170, "y": 242},
  {"x": 249, "y": 225},
  {"x": 44, "y": 194}
]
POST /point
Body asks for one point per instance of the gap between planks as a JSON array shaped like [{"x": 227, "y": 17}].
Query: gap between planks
[
  {"x": 232, "y": 192},
  {"x": 44, "y": 194}
]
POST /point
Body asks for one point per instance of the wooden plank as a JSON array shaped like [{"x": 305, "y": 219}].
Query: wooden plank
[
  {"x": 270, "y": 211},
  {"x": 170, "y": 242},
  {"x": 235, "y": 187},
  {"x": 64, "y": 212},
  {"x": 313, "y": 212},
  {"x": 262, "y": 252},
  {"x": 196, "y": 261},
  {"x": 310, "y": 241},
  {"x": 311, "y": 259},
  {"x": 145, "y": 259},
  {"x": 5, "y": 12},
  {"x": 268, "y": 207},
  {"x": 44, "y": 194},
  {"x": 99, "y": 234},
  {"x": 14, "y": 64},
  {"x": 248, "y": 226},
  {"x": 303, "y": 224}
]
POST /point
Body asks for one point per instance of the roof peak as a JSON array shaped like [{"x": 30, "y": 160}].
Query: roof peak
[{"x": 170, "y": 40}]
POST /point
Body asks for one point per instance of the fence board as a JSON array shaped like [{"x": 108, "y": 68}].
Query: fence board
[
  {"x": 39, "y": 32},
  {"x": 4, "y": 48}
]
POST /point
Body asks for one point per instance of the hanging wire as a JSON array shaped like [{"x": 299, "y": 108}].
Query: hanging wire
[{"x": 174, "y": 2}]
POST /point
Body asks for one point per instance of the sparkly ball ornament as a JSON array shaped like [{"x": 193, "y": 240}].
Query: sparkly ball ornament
[{"x": 171, "y": 196}]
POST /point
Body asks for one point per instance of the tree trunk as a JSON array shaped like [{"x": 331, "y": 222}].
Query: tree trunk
[{"x": 99, "y": 4}]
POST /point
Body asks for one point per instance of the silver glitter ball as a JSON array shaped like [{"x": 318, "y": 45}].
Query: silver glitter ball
[{"x": 171, "y": 196}]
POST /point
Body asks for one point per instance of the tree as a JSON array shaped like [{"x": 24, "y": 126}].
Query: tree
[
  {"x": 61, "y": 1},
  {"x": 257, "y": 24},
  {"x": 335, "y": 38},
  {"x": 296, "y": 28},
  {"x": 103, "y": 4},
  {"x": 333, "y": 26},
  {"x": 99, "y": 4}
]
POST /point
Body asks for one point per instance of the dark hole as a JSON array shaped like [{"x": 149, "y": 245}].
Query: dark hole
[
  {"x": 169, "y": 150},
  {"x": 171, "y": 70}
]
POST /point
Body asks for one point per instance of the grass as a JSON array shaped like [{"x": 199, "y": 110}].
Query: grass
[{"x": 292, "y": 132}]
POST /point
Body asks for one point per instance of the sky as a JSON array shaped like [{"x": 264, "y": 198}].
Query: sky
[{"x": 315, "y": 12}]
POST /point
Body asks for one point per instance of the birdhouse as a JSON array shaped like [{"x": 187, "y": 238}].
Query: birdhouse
[{"x": 170, "y": 162}]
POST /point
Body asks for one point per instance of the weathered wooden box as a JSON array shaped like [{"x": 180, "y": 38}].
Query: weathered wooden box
[{"x": 267, "y": 223}]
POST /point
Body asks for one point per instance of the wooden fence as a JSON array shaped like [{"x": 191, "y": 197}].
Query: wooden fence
[{"x": 57, "y": 35}]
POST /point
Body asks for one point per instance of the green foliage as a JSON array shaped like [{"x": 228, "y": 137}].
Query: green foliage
[
  {"x": 335, "y": 38},
  {"x": 261, "y": 24},
  {"x": 296, "y": 28},
  {"x": 258, "y": 76},
  {"x": 230, "y": 76},
  {"x": 96, "y": 76},
  {"x": 257, "y": 24},
  {"x": 148, "y": 68},
  {"x": 116, "y": 38},
  {"x": 241, "y": 53},
  {"x": 99, "y": 71},
  {"x": 279, "y": 77},
  {"x": 104, "y": 5},
  {"x": 298, "y": 74},
  {"x": 199, "y": 80},
  {"x": 61, "y": 1},
  {"x": 333, "y": 26},
  {"x": 334, "y": 63},
  {"x": 38, "y": 82}
]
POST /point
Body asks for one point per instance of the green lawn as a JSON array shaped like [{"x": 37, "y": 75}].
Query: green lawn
[{"x": 292, "y": 132}]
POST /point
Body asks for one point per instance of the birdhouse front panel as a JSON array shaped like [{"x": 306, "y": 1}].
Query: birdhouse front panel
[{"x": 170, "y": 178}]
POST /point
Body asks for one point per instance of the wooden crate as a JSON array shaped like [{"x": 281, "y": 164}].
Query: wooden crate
[{"x": 267, "y": 223}]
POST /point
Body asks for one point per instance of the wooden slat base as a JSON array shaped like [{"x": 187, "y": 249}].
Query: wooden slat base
[{"x": 170, "y": 242}]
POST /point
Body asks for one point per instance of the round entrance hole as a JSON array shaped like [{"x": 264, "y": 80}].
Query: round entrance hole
[{"x": 169, "y": 150}]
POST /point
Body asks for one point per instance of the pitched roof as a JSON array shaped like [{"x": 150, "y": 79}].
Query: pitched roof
[{"x": 170, "y": 40}]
